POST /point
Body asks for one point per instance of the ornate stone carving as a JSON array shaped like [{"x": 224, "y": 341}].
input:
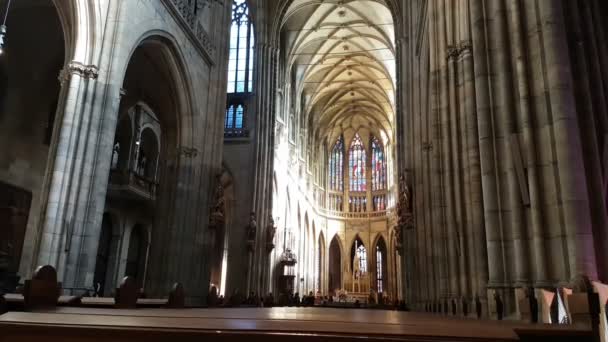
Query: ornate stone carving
[
  {"x": 466, "y": 46},
  {"x": 188, "y": 152},
  {"x": 288, "y": 258},
  {"x": 218, "y": 211},
  {"x": 189, "y": 11},
  {"x": 405, "y": 219},
  {"x": 453, "y": 52}
]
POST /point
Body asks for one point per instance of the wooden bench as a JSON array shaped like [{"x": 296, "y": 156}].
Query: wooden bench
[
  {"x": 275, "y": 324},
  {"x": 42, "y": 292}
]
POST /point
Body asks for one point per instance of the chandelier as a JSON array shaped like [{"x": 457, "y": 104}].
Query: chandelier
[{"x": 3, "y": 27}]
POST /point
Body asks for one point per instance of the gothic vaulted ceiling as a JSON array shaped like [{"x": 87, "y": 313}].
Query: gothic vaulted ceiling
[{"x": 341, "y": 54}]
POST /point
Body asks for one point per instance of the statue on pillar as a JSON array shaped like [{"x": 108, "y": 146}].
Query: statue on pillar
[
  {"x": 357, "y": 273},
  {"x": 404, "y": 205},
  {"x": 271, "y": 231},
  {"x": 115, "y": 155},
  {"x": 251, "y": 230},
  {"x": 217, "y": 217}
]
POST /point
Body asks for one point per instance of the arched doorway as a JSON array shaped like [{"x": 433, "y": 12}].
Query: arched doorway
[
  {"x": 151, "y": 131},
  {"x": 30, "y": 66},
  {"x": 335, "y": 266},
  {"x": 103, "y": 255},
  {"x": 137, "y": 254}
]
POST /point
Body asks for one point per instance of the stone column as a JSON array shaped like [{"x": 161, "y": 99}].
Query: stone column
[
  {"x": 570, "y": 165},
  {"x": 491, "y": 207},
  {"x": 76, "y": 188}
]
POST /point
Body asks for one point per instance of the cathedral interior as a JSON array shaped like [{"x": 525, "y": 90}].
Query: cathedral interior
[{"x": 444, "y": 158}]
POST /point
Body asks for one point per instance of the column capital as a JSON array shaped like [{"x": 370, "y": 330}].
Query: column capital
[{"x": 82, "y": 70}]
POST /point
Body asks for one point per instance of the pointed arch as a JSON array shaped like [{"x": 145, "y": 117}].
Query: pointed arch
[
  {"x": 335, "y": 264},
  {"x": 319, "y": 264}
]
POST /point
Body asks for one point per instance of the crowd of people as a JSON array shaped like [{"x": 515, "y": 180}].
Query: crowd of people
[{"x": 237, "y": 299}]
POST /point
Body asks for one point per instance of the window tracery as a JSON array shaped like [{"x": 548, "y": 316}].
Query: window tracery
[
  {"x": 240, "y": 63},
  {"x": 357, "y": 159},
  {"x": 378, "y": 166},
  {"x": 379, "y": 270}
]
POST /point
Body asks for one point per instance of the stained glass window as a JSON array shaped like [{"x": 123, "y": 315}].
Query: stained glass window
[
  {"x": 234, "y": 117},
  {"x": 378, "y": 166},
  {"x": 379, "y": 270},
  {"x": 240, "y": 62},
  {"x": 336, "y": 166},
  {"x": 362, "y": 258},
  {"x": 358, "y": 257},
  {"x": 357, "y": 165}
]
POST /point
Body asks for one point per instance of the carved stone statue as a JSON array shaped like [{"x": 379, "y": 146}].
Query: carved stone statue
[
  {"x": 404, "y": 205},
  {"x": 405, "y": 195},
  {"x": 115, "y": 155},
  {"x": 143, "y": 163},
  {"x": 218, "y": 211},
  {"x": 270, "y": 232},
  {"x": 252, "y": 227}
]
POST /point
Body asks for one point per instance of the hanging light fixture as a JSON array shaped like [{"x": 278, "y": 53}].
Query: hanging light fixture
[{"x": 3, "y": 27}]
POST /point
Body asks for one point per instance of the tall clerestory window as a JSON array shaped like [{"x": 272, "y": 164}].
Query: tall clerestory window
[
  {"x": 240, "y": 71},
  {"x": 336, "y": 166},
  {"x": 378, "y": 166},
  {"x": 357, "y": 165},
  {"x": 240, "y": 63}
]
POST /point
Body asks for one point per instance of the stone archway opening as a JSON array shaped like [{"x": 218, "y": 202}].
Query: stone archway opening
[
  {"x": 30, "y": 66},
  {"x": 335, "y": 267},
  {"x": 103, "y": 255},
  {"x": 137, "y": 256},
  {"x": 147, "y": 143}
]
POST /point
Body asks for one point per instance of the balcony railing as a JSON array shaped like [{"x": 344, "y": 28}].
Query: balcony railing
[
  {"x": 186, "y": 9},
  {"x": 352, "y": 215},
  {"x": 131, "y": 184},
  {"x": 236, "y": 133}
]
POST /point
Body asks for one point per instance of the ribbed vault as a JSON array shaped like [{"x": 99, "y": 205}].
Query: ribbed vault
[{"x": 341, "y": 56}]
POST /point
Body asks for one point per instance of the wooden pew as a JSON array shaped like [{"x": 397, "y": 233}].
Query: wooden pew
[
  {"x": 3, "y": 306},
  {"x": 126, "y": 295},
  {"x": 277, "y": 324},
  {"x": 43, "y": 290},
  {"x": 127, "y": 298},
  {"x": 176, "y": 297}
]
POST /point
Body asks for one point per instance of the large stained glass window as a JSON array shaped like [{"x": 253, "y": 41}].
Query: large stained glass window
[
  {"x": 357, "y": 165},
  {"x": 378, "y": 166},
  {"x": 336, "y": 166},
  {"x": 240, "y": 63}
]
